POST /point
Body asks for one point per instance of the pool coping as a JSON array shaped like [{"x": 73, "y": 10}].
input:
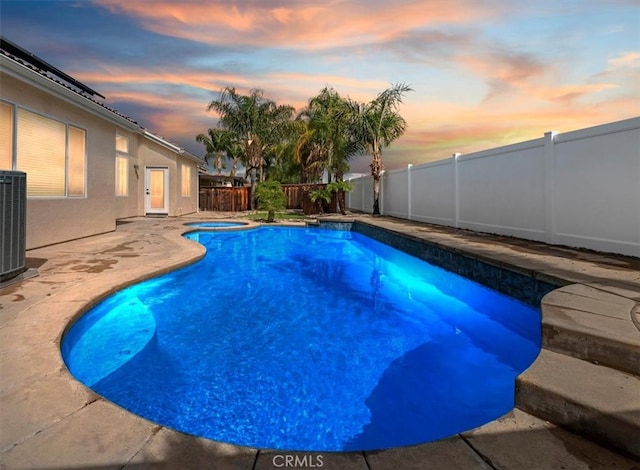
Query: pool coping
[{"x": 45, "y": 410}]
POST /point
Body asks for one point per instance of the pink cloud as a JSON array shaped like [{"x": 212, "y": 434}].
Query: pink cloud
[
  {"x": 524, "y": 96},
  {"x": 302, "y": 24},
  {"x": 521, "y": 78},
  {"x": 142, "y": 77},
  {"x": 283, "y": 15},
  {"x": 628, "y": 59}
]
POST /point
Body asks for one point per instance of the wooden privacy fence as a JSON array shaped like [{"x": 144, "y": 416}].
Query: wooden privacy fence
[
  {"x": 225, "y": 199},
  {"x": 298, "y": 198},
  {"x": 295, "y": 194},
  {"x": 238, "y": 199}
]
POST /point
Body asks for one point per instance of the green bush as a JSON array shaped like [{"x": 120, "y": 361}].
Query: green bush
[
  {"x": 318, "y": 195},
  {"x": 270, "y": 198},
  {"x": 340, "y": 187}
]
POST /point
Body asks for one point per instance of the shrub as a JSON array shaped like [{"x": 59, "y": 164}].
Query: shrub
[
  {"x": 340, "y": 187},
  {"x": 270, "y": 198},
  {"x": 318, "y": 195}
]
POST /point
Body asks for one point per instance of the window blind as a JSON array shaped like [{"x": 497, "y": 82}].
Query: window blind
[
  {"x": 40, "y": 146},
  {"x": 122, "y": 176},
  {"x": 186, "y": 180},
  {"x": 76, "y": 163},
  {"x": 6, "y": 136},
  {"x": 122, "y": 144}
]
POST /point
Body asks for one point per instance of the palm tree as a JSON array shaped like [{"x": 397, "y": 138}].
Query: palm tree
[
  {"x": 309, "y": 154},
  {"x": 282, "y": 165},
  {"x": 255, "y": 121},
  {"x": 278, "y": 137},
  {"x": 216, "y": 143},
  {"x": 374, "y": 126},
  {"x": 326, "y": 138},
  {"x": 240, "y": 115},
  {"x": 340, "y": 187},
  {"x": 235, "y": 153}
]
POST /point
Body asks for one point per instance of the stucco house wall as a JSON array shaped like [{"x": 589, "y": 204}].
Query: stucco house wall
[
  {"x": 56, "y": 219},
  {"x": 187, "y": 204},
  {"x": 156, "y": 154},
  {"x": 52, "y": 220},
  {"x": 128, "y": 206}
]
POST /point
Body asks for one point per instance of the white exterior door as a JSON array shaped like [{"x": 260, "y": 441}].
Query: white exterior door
[{"x": 156, "y": 194}]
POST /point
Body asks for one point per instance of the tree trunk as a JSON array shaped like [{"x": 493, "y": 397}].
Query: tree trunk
[
  {"x": 376, "y": 195},
  {"x": 340, "y": 196},
  {"x": 376, "y": 169},
  {"x": 252, "y": 174},
  {"x": 341, "y": 202}
]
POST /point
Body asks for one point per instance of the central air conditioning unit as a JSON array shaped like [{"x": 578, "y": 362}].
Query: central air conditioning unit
[{"x": 13, "y": 218}]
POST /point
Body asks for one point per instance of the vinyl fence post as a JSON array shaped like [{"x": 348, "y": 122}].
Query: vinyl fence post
[
  {"x": 381, "y": 195},
  {"x": 456, "y": 191},
  {"x": 409, "y": 166},
  {"x": 549, "y": 187}
]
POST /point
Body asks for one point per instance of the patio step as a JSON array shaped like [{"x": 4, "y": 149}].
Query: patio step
[
  {"x": 592, "y": 325},
  {"x": 597, "y": 402}
]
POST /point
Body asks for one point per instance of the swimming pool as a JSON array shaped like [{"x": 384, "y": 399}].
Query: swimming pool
[{"x": 307, "y": 339}]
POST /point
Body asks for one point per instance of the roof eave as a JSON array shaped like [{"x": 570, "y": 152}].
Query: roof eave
[
  {"x": 35, "y": 79},
  {"x": 193, "y": 157},
  {"x": 171, "y": 146},
  {"x": 23, "y": 73},
  {"x": 165, "y": 143}
]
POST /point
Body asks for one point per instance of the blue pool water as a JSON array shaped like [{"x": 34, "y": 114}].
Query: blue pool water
[
  {"x": 307, "y": 339},
  {"x": 216, "y": 224}
]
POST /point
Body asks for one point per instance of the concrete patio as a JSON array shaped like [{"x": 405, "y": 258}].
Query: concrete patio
[{"x": 586, "y": 378}]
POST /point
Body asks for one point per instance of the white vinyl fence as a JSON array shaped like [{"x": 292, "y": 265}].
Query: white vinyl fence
[{"x": 579, "y": 188}]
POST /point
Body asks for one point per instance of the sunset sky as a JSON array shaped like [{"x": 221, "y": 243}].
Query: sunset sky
[{"x": 484, "y": 73}]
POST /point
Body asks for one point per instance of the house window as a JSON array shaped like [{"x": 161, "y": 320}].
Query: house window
[
  {"x": 186, "y": 180},
  {"x": 122, "y": 176},
  {"x": 76, "y": 161},
  {"x": 122, "y": 166},
  {"x": 52, "y": 153},
  {"x": 6, "y": 136},
  {"x": 122, "y": 144}
]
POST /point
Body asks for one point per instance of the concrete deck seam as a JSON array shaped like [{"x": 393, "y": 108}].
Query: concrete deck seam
[
  {"x": 591, "y": 312},
  {"x": 598, "y": 288},
  {"x": 634, "y": 311},
  {"x": 255, "y": 461},
  {"x": 635, "y": 315},
  {"x": 366, "y": 461},
  {"x": 588, "y": 286},
  {"x": 152, "y": 434},
  {"x": 51, "y": 424},
  {"x": 29, "y": 381},
  {"x": 484, "y": 458}
]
